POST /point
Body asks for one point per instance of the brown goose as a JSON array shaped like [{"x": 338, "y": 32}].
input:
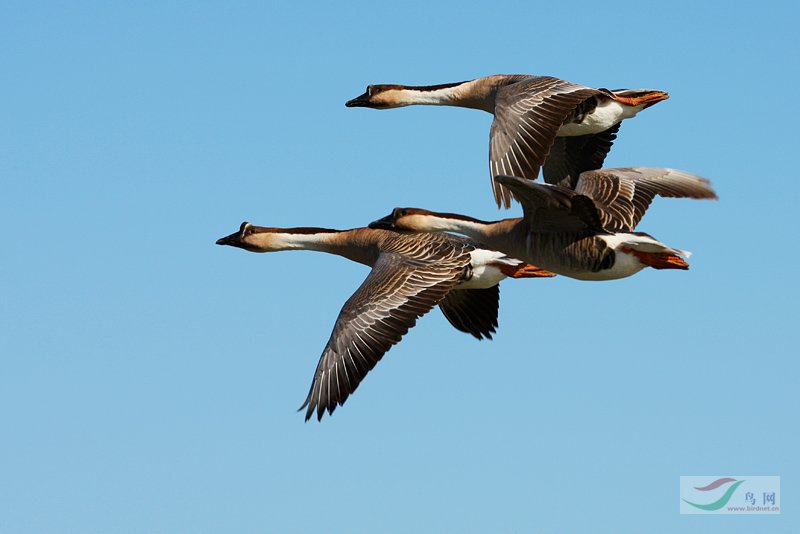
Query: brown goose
[
  {"x": 411, "y": 273},
  {"x": 538, "y": 120},
  {"x": 586, "y": 233}
]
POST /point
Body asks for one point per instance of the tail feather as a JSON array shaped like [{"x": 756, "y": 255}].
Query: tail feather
[{"x": 654, "y": 246}]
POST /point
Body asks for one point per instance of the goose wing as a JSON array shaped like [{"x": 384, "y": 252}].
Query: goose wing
[
  {"x": 527, "y": 117},
  {"x": 570, "y": 156},
  {"x": 404, "y": 284},
  {"x": 551, "y": 208},
  {"x": 473, "y": 311},
  {"x": 623, "y": 195}
]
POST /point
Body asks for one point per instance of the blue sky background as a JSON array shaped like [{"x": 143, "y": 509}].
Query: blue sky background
[{"x": 149, "y": 379}]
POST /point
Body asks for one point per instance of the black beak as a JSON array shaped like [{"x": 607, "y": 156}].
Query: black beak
[
  {"x": 359, "y": 102},
  {"x": 385, "y": 223},
  {"x": 232, "y": 240}
]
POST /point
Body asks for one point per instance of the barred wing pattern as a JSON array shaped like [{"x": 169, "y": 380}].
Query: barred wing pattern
[
  {"x": 550, "y": 208},
  {"x": 528, "y": 115},
  {"x": 409, "y": 278},
  {"x": 570, "y": 156},
  {"x": 473, "y": 311},
  {"x": 623, "y": 195}
]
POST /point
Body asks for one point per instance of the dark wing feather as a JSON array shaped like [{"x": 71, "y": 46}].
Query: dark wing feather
[
  {"x": 550, "y": 208},
  {"x": 527, "y": 117},
  {"x": 623, "y": 195},
  {"x": 473, "y": 311},
  {"x": 399, "y": 289},
  {"x": 570, "y": 156}
]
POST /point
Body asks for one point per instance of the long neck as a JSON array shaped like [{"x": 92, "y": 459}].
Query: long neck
[
  {"x": 355, "y": 245},
  {"x": 496, "y": 234},
  {"x": 476, "y": 94}
]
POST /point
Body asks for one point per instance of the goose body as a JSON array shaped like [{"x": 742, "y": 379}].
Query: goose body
[
  {"x": 606, "y": 114},
  {"x": 411, "y": 273},
  {"x": 539, "y": 121},
  {"x": 586, "y": 233}
]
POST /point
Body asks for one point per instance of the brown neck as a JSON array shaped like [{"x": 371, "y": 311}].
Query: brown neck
[
  {"x": 358, "y": 245},
  {"x": 475, "y": 94},
  {"x": 506, "y": 235},
  {"x": 499, "y": 235}
]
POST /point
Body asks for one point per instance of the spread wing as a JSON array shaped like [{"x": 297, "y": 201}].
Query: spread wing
[
  {"x": 473, "y": 311},
  {"x": 570, "y": 156},
  {"x": 623, "y": 195},
  {"x": 399, "y": 289},
  {"x": 527, "y": 117},
  {"x": 551, "y": 208}
]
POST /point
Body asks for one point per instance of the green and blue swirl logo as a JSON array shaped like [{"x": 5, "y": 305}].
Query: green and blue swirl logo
[{"x": 722, "y": 501}]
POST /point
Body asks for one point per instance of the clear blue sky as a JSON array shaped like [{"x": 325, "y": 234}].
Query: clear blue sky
[{"x": 150, "y": 379}]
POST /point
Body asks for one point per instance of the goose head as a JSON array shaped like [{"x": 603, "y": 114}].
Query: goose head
[
  {"x": 384, "y": 96},
  {"x": 252, "y": 238},
  {"x": 409, "y": 219}
]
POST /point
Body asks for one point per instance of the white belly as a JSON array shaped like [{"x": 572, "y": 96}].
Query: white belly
[
  {"x": 625, "y": 265},
  {"x": 485, "y": 275},
  {"x": 604, "y": 116}
]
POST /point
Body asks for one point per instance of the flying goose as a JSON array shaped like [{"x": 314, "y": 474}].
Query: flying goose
[
  {"x": 411, "y": 273},
  {"x": 538, "y": 120},
  {"x": 586, "y": 233}
]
